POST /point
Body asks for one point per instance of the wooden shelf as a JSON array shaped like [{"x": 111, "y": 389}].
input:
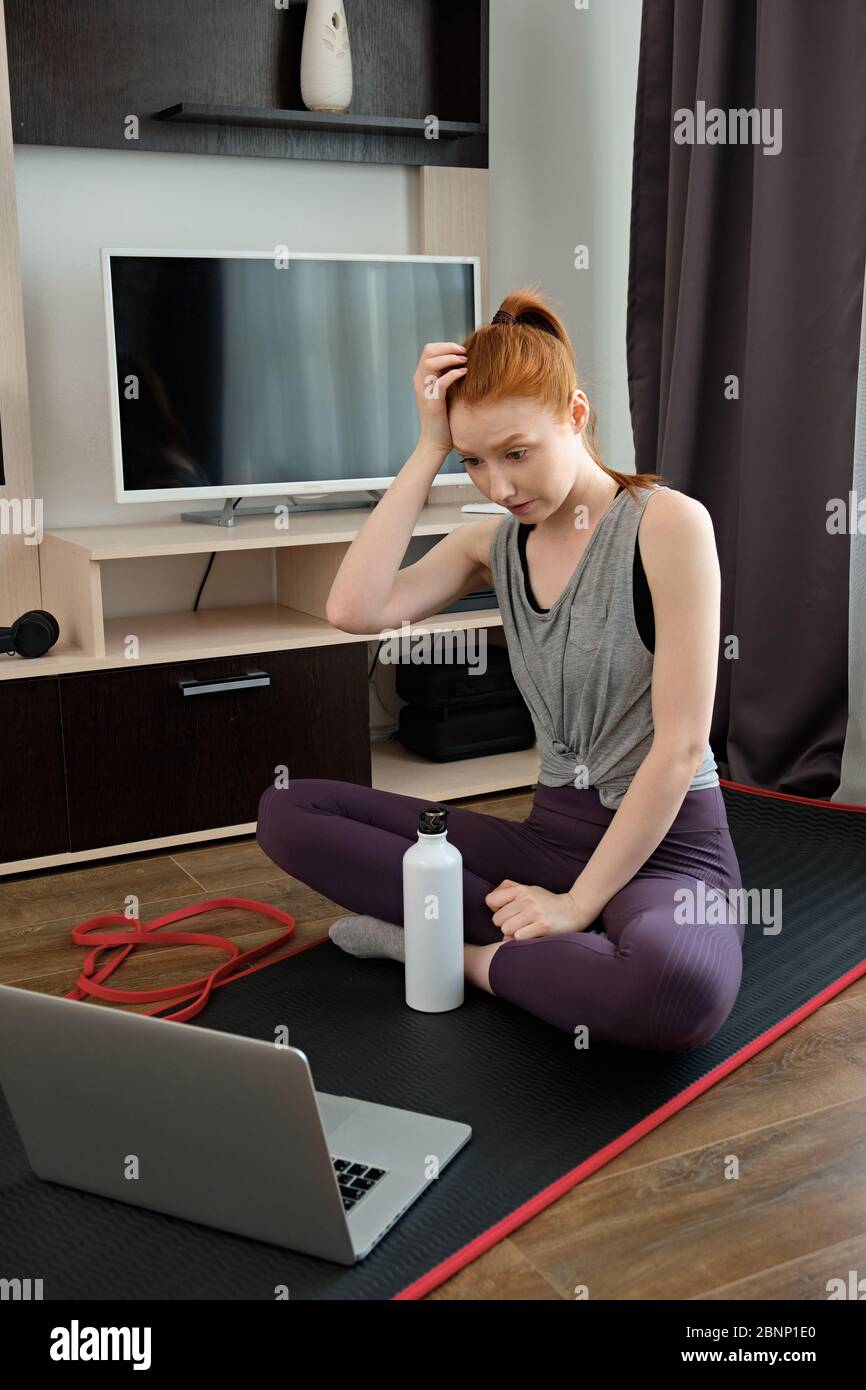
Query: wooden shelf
[
  {"x": 396, "y": 769},
  {"x": 307, "y": 557},
  {"x": 214, "y": 632},
  {"x": 341, "y": 122},
  {"x": 176, "y": 537},
  {"x": 255, "y": 628}
]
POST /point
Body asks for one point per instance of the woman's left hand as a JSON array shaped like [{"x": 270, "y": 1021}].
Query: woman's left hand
[{"x": 522, "y": 912}]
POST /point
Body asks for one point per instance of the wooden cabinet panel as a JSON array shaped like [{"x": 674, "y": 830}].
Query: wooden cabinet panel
[
  {"x": 32, "y": 795},
  {"x": 144, "y": 759}
]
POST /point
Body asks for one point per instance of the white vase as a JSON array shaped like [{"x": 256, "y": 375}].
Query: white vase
[{"x": 326, "y": 59}]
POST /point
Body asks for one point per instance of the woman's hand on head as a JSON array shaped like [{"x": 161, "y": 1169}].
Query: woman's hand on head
[
  {"x": 440, "y": 364},
  {"x": 522, "y": 912}
]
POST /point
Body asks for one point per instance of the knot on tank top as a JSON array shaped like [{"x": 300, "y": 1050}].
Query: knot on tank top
[{"x": 564, "y": 760}]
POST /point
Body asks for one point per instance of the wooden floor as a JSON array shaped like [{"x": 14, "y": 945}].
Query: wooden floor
[{"x": 664, "y": 1219}]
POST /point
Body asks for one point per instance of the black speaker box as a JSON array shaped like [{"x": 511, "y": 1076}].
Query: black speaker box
[
  {"x": 458, "y": 684},
  {"x": 469, "y": 731}
]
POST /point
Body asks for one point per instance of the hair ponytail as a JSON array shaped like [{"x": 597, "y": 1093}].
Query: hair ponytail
[{"x": 526, "y": 351}]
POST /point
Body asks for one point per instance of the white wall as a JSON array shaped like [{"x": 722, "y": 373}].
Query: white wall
[{"x": 562, "y": 97}]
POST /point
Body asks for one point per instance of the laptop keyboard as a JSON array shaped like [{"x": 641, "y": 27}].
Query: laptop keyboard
[{"x": 355, "y": 1179}]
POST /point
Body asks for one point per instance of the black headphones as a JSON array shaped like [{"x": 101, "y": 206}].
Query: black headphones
[{"x": 31, "y": 634}]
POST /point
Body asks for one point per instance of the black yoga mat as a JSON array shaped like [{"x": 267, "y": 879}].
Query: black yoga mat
[{"x": 539, "y": 1108}]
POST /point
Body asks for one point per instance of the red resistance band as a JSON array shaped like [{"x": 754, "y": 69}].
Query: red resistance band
[{"x": 198, "y": 991}]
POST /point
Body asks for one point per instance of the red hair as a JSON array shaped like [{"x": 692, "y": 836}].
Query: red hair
[{"x": 531, "y": 357}]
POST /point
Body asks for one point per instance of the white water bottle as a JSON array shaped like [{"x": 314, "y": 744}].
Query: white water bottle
[{"x": 433, "y": 916}]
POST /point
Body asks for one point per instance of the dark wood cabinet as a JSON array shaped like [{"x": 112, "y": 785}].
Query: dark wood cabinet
[
  {"x": 32, "y": 792},
  {"x": 171, "y": 749}
]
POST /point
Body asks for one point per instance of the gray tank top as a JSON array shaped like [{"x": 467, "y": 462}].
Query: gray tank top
[{"x": 581, "y": 665}]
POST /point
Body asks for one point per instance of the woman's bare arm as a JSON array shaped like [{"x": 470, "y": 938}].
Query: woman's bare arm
[
  {"x": 455, "y": 566},
  {"x": 370, "y": 591}
]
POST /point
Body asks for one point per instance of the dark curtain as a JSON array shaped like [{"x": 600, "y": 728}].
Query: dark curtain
[{"x": 751, "y": 265}]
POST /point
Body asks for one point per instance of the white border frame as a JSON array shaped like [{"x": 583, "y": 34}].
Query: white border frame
[{"x": 317, "y": 487}]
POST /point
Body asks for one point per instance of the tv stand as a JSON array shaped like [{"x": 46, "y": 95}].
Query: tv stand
[
  {"x": 312, "y": 502},
  {"x": 123, "y": 762}
]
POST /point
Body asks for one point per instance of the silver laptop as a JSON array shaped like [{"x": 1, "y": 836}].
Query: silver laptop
[{"x": 223, "y": 1130}]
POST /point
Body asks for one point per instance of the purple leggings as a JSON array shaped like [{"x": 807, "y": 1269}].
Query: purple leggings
[{"x": 650, "y": 980}]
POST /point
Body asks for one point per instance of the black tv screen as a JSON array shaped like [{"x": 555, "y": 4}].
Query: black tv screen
[{"x": 237, "y": 375}]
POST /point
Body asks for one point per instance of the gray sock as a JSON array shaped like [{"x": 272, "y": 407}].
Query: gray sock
[{"x": 368, "y": 936}]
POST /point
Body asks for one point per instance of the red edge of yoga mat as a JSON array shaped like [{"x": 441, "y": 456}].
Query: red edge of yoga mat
[{"x": 198, "y": 991}]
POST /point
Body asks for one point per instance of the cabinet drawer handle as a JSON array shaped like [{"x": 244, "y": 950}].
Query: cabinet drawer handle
[{"x": 211, "y": 687}]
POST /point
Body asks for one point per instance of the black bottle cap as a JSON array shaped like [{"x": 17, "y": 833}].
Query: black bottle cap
[{"x": 433, "y": 821}]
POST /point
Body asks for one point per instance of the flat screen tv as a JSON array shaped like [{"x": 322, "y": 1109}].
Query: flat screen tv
[{"x": 236, "y": 374}]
